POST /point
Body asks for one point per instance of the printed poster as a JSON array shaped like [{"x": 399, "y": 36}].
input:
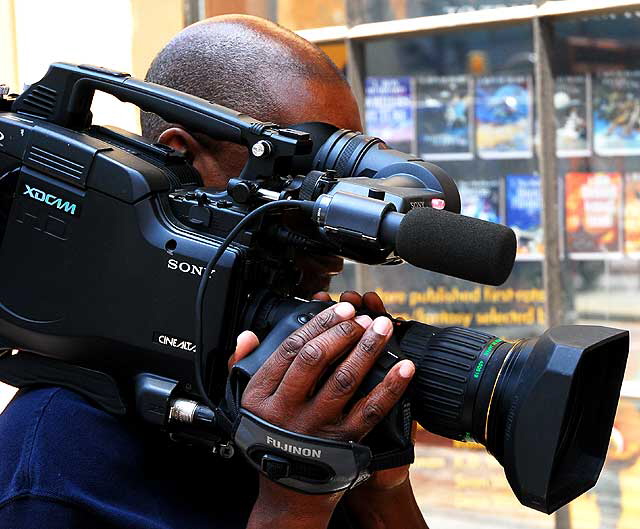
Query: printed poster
[
  {"x": 592, "y": 214},
  {"x": 523, "y": 213},
  {"x": 443, "y": 115},
  {"x": 632, "y": 214},
  {"x": 480, "y": 199},
  {"x": 504, "y": 117},
  {"x": 616, "y": 113},
  {"x": 572, "y": 129},
  {"x": 389, "y": 111}
]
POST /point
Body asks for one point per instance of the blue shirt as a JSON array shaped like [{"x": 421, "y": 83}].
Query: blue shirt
[{"x": 66, "y": 464}]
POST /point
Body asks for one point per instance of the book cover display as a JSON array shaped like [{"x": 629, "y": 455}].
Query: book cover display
[
  {"x": 616, "y": 113},
  {"x": 504, "y": 117},
  {"x": 443, "y": 118},
  {"x": 592, "y": 214},
  {"x": 572, "y": 116},
  {"x": 632, "y": 214},
  {"x": 390, "y": 111},
  {"x": 523, "y": 213},
  {"x": 480, "y": 199}
]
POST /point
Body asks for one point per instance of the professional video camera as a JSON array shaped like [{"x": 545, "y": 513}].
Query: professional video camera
[{"x": 108, "y": 241}]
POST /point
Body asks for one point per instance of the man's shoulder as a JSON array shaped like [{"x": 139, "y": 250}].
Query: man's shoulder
[
  {"x": 51, "y": 439},
  {"x": 30, "y": 407},
  {"x": 56, "y": 445},
  {"x": 55, "y": 418}
]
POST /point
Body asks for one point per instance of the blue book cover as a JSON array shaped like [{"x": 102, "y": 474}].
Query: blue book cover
[
  {"x": 390, "y": 111},
  {"x": 523, "y": 212},
  {"x": 616, "y": 113},
  {"x": 480, "y": 199},
  {"x": 504, "y": 117},
  {"x": 444, "y": 117}
]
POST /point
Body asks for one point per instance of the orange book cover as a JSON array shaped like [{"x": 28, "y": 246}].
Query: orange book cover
[
  {"x": 592, "y": 213},
  {"x": 632, "y": 213}
]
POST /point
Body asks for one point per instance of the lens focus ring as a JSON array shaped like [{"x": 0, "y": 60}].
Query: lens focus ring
[{"x": 449, "y": 367}]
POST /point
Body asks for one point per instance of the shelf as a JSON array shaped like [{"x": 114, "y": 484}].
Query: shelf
[
  {"x": 465, "y": 20},
  {"x": 433, "y": 23},
  {"x": 324, "y": 35}
]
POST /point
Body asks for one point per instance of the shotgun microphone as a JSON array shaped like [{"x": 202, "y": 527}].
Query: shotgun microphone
[{"x": 456, "y": 245}]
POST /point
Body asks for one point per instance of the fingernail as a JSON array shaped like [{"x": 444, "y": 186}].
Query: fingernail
[
  {"x": 364, "y": 321},
  {"x": 344, "y": 309},
  {"x": 406, "y": 369},
  {"x": 382, "y": 325}
]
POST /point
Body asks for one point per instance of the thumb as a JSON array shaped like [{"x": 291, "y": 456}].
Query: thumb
[{"x": 246, "y": 343}]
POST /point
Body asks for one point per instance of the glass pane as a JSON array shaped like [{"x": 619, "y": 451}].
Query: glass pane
[
  {"x": 294, "y": 14},
  {"x": 464, "y": 100},
  {"x": 598, "y": 131},
  {"x": 598, "y": 116},
  {"x": 362, "y": 11}
]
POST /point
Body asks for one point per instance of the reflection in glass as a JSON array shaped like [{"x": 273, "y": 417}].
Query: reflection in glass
[{"x": 598, "y": 164}]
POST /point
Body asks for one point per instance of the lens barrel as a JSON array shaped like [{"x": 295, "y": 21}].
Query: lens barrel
[
  {"x": 544, "y": 407},
  {"x": 454, "y": 379}
]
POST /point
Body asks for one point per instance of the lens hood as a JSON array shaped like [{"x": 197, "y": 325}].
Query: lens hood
[{"x": 555, "y": 412}]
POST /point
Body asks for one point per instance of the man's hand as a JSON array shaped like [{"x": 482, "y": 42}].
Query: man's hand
[
  {"x": 287, "y": 392},
  {"x": 393, "y": 477},
  {"x": 375, "y": 503}
]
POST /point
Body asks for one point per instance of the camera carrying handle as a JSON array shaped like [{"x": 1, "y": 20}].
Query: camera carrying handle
[{"x": 64, "y": 96}]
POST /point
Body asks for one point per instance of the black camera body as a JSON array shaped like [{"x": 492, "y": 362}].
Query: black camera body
[
  {"x": 95, "y": 201},
  {"x": 107, "y": 239}
]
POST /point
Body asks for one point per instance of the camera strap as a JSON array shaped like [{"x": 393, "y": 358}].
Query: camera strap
[
  {"x": 301, "y": 462},
  {"x": 27, "y": 369}
]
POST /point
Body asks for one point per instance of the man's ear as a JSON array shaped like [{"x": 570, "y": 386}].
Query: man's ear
[
  {"x": 180, "y": 140},
  {"x": 198, "y": 155}
]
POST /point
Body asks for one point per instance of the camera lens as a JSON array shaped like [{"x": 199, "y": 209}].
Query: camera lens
[
  {"x": 456, "y": 374},
  {"x": 544, "y": 407}
]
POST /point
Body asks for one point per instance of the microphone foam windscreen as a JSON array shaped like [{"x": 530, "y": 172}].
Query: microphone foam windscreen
[{"x": 456, "y": 245}]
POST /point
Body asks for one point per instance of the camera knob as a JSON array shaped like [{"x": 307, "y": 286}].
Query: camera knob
[
  {"x": 242, "y": 191},
  {"x": 261, "y": 149}
]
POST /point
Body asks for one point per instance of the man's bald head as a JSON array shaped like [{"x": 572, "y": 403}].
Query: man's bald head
[{"x": 256, "y": 67}]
